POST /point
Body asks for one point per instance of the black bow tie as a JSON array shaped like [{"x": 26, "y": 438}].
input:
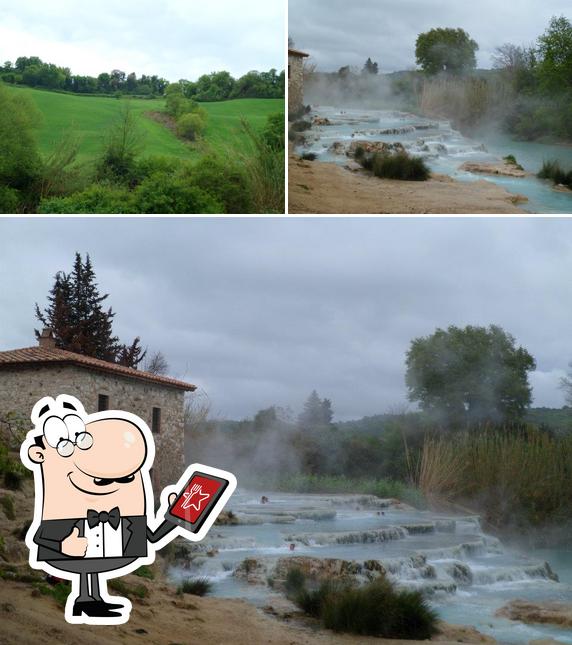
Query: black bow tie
[{"x": 113, "y": 517}]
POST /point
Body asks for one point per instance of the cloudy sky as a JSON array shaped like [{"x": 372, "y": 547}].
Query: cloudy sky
[
  {"x": 338, "y": 32},
  {"x": 260, "y": 312},
  {"x": 172, "y": 38}
]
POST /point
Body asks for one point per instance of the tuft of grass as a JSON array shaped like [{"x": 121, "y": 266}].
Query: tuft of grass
[
  {"x": 553, "y": 170},
  {"x": 295, "y": 581},
  {"x": 195, "y": 586},
  {"x": 59, "y": 591},
  {"x": 511, "y": 160},
  {"x": 145, "y": 571},
  {"x": 138, "y": 591},
  {"x": 7, "y": 503}
]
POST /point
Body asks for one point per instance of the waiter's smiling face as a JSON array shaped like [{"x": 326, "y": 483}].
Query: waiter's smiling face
[{"x": 96, "y": 466}]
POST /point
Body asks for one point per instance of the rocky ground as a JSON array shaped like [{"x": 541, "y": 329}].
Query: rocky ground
[
  {"x": 501, "y": 168},
  {"x": 551, "y": 613},
  {"x": 326, "y": 188}
]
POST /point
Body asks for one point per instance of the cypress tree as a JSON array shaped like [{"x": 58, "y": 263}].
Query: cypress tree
[{"x": 79, "y": 320}]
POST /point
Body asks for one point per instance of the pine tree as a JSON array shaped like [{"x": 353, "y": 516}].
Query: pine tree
[
  {"x": 131, "y": 355},
  {"x": 80, "y": 323},
  {"x": 316, "y": 413},
  {"x": 327, "y": 412},
  {"x": 58, "y": 314},
  {"x": 370, "y": 67}
]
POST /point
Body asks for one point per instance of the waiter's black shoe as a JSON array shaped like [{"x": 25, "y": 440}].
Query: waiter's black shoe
[
  {"x": 109, "y": 605},
  {"x": 94, "y": 609}
]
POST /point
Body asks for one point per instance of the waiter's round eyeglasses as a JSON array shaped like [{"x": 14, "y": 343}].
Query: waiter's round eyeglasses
[{"x": 66, "y": 447}]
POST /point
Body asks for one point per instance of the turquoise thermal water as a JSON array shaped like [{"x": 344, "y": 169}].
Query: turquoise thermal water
[
  {"x": 314, "y": 522},
  {"x": 445, "y": 150}
]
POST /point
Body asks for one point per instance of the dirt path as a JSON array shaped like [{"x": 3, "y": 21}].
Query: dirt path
[
  {"x": 324, "y": 188},
  {"x": 167, "y": 619}
]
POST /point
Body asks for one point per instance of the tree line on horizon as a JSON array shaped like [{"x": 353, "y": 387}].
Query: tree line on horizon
[{"x": 217, "y": 86}]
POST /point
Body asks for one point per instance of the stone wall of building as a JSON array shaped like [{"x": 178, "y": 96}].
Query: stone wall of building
[
  {"x": 295, "y": 83},
  {"x": 21, "y": 388}
]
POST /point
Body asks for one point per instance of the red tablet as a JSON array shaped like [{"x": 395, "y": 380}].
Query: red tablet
[{"x": 196, "y": 500}]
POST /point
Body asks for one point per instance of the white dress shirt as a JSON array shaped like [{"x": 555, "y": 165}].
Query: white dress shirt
[{"x": 103, "y": 541}]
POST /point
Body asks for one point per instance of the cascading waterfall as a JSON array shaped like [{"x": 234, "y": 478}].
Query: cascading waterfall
[{"x": 466, "y": 574}]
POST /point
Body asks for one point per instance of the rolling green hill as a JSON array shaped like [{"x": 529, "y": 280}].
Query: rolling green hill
[{"x": 91, "y": 116}]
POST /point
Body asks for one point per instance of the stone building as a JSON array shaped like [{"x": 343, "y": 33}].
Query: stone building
[
  {"x": 295, "y": 80},
  {"x": 28, "y": 374}
]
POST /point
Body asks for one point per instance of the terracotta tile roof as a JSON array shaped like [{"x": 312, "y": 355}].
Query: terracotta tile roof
[
  {"x": 49, "y": 355},
  {"x": 296, "y": 52}
]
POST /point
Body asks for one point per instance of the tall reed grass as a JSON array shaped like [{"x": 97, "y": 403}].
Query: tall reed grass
[
  {"x": 264, "y": 165},
  {"x": 513, "y": 477},
  {"x": 467, "y": 101}
]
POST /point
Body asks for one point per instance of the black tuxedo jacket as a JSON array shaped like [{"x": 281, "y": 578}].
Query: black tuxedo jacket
[{"x": 136, "y": 534}]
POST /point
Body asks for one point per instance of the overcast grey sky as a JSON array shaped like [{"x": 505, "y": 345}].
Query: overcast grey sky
[
  {"x": 172, "y": 38},
  {"x": 338, "y": 32},
  {"x": 260, "y": 312}
]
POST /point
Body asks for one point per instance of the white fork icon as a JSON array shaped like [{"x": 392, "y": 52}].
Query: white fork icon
[{"x": 195, "y": 492}]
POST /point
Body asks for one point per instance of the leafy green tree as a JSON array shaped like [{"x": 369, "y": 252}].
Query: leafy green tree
[
  {"x": 446, "y": 50},
  {"x": 265, "y": 419},
  {"x": 124, "y": 143},
  {"x": 469, "y": 375},
  {"x": 555, "y": 52}
]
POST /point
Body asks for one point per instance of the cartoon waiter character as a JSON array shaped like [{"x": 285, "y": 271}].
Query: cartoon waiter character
[{"x": 93, "y": 515}]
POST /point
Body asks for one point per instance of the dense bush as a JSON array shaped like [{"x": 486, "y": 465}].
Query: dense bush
[
  {"x": 273, "y": 133},
  {"x": 97, "y": 198},
  {"x": 374, "y": 609},
  {"x": 191, "y": 125},
  {"x": 162, "y": 193},
  {"x": 9, "y": 200},
  {"x": 20, "y": 162},
  {"x": 398, "y": 165},
  {"x": 378, "y": 609},
  {"x": 225, "y": 181}
]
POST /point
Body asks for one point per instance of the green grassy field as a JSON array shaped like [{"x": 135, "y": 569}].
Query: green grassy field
[{"x": 91, "y": 116}]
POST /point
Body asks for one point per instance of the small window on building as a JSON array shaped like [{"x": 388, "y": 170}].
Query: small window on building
[
  {"x": 102, "y": 402},
  {"x": 156, "y": 422},
  {"x": 289, "y": 71}
]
